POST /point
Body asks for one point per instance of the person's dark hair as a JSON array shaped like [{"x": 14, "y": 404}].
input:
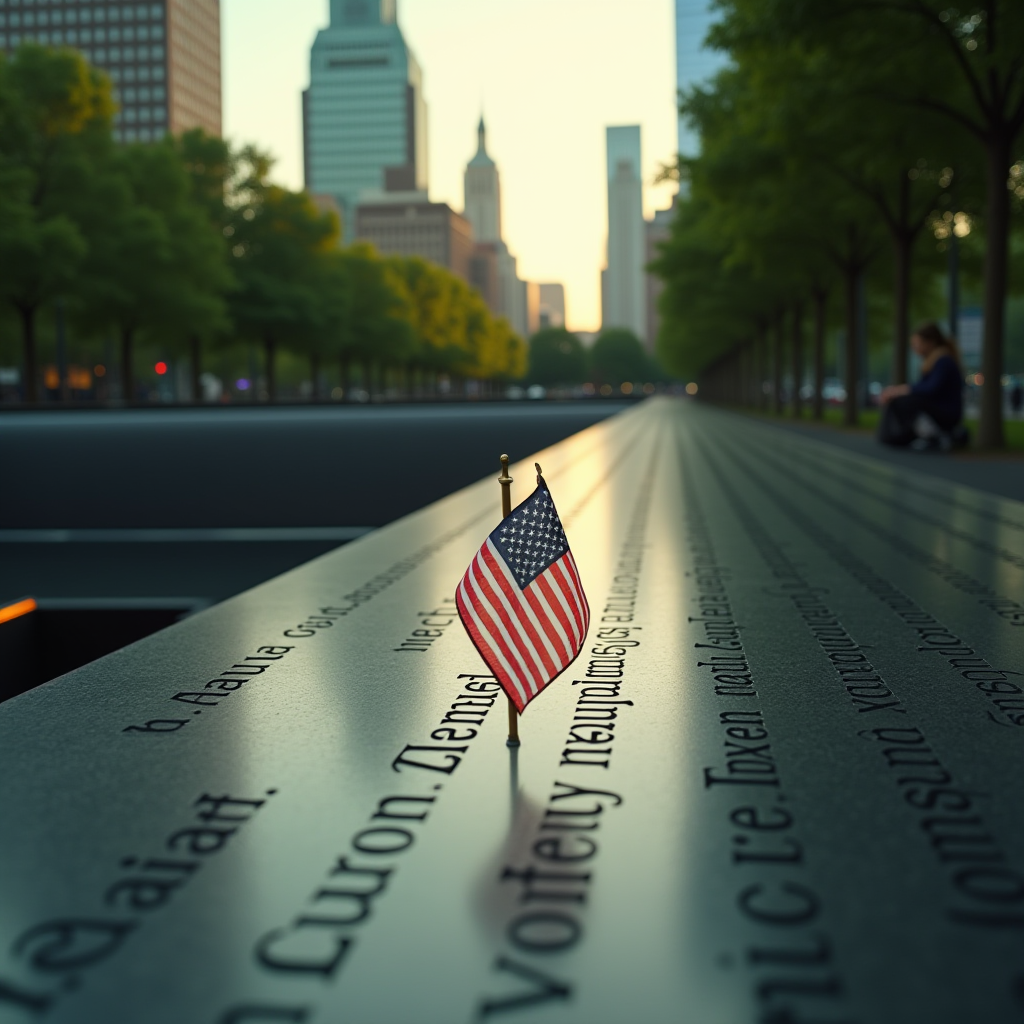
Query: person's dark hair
[{"x": 933, "y": 333}]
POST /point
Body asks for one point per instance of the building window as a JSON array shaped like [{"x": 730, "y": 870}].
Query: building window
[
  {"x": 72, "y": 36},
  {"x": 145, "y": 114},
  {"x": 101, "y": 55},
  {"x": 160, "y": 115},
  {"x": 129, "y": 53},
  {"x": 129, "y": 95},
  {"x": 128, "y": 34}
]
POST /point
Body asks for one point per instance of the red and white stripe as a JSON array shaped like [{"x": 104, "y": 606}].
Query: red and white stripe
[{"x": 529, "y": 636}]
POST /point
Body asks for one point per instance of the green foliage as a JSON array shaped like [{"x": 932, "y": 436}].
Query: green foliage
[
  {"x": 845, "y": 137},
  {"x": 188, "y": 241},
  {"x": 618, "y": 356},
  {"x": 54, "y": 135},
  {"x": 556, "y": 357}
]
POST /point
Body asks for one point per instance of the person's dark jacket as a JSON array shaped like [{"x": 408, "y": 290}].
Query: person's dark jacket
[{"x": 942, "y": 389}]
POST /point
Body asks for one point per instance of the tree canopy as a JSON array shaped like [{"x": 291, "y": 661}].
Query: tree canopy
[
  {"x": 556, "y": 357},
  {"x": 188, "y": 243},
  {"x": 844, "y": 146}
]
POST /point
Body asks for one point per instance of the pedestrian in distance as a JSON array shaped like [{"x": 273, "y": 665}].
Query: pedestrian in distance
[{"x": 928, "y": 415}]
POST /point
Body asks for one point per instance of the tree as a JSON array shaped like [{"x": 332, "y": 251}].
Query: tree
[
  {"x": 556, "y": 357},
  {"x": 278, "y": 240},
  {"x": 212, "y": 169},
  {"x": 156, "y": 263},
  {"x": 963, "y": 67},
  {"x": 55, "y": 117},
  {"x": 618, "y": 356}
]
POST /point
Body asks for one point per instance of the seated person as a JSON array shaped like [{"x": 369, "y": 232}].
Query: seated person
[{"x": 926, "y": 414}]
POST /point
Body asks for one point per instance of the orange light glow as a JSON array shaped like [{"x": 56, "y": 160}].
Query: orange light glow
[
  {"x": 100, "y": 370},
  {"x": 161, "y": 368},
  {"x": 979, "y": 379},
  {"x": 16, "y": 610}
]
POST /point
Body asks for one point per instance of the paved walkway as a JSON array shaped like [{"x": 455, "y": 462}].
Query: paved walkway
[{"x": 996, "y": 474}]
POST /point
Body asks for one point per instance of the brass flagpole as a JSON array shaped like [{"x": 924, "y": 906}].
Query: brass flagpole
[{"x": 506, "y": 510}]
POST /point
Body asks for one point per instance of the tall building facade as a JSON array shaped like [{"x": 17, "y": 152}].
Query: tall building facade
[
  {"x": 657, "y": 231},
  {"x": 482, "y": 208},
  {"x": 623, "y": 289},
  {"x": 163, "y": 57},
  {"x": 694, "y": 62},
  {"x": 364, "y": 117},
  {"x": 408, "y": 224}
]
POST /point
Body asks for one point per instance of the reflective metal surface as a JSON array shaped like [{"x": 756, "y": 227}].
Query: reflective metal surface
[{"x": 783, "y": 783}]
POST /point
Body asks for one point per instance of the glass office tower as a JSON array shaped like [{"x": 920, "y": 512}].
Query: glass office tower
[
  {"x": 694, "y": 63},
  {"x": 364, "y": 116},
  {"x": 163, "y": 57},
  {"x": 623, "y": 293}
]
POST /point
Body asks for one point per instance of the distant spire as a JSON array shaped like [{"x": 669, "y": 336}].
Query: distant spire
[{"x": 481, "y": 159}]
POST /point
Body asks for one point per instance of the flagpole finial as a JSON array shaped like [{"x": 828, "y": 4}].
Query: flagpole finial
[
  {"x": 539, "y": 472},
  {"x": 506, "y": 488}
]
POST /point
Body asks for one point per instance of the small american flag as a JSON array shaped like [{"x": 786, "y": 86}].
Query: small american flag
[{"x": 521, "y": 599}]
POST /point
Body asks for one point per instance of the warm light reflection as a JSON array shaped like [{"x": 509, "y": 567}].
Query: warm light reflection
[{"x": 18, "y": 609}]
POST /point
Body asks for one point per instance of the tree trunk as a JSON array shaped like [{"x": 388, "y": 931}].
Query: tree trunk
[
  {"x": 818, "y": 401},
  {"x": 850, "y": 349},
  {"x": 903, "y": 245},
  {"x": 997, "y": 230},
  {"x": 345, "y": 377},
  {"x": 127, "y": 364},
  {"x": 777, "y": 403},
  {"x": 269, "y": 367},
  {"x": 760, "y": 369},
  {"x": 314, "y": 376},
  {"x": 28, "y": 340},
  {"x": 196, "y": 366},
  {"x": 798, "y": 357}
]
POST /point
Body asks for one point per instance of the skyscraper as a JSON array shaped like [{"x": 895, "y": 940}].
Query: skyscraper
[
  {"x": 694, "y": 63},
  {"x": 623, "y": 291},
  {"x": 482, "y": 208},
  {"x": 364, "y": 117},
  {"x": 163, "y": 57}
]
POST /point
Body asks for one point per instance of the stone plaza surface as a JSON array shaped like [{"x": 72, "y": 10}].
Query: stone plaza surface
[{"x": 782, "y": 783}]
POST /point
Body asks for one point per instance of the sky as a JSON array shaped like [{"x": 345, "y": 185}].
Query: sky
[{"x": 549, "y": 76}]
